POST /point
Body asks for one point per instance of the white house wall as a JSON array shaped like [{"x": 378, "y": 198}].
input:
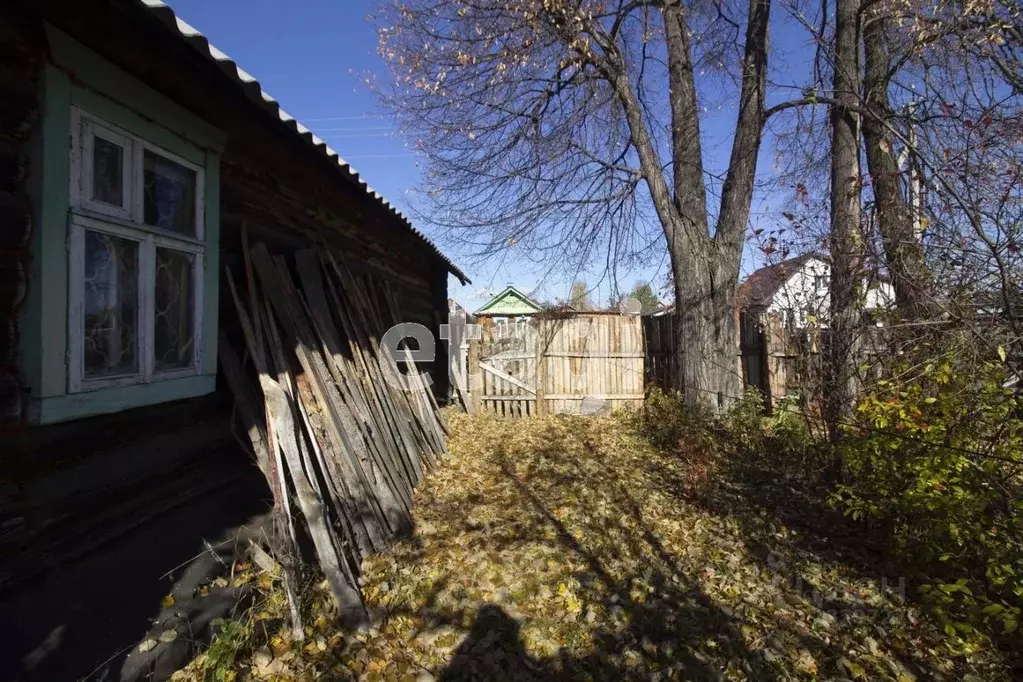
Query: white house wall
[{"x": 806, "y": 294}]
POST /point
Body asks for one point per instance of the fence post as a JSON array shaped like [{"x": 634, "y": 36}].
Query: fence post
[
  {"x": 541, "y": 368},
  {"x": 475, "y": 377}
]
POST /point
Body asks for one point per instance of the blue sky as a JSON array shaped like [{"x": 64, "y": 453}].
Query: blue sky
[{"x": 312, "y": 56}]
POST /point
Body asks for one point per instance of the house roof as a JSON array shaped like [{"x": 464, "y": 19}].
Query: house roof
[
  {"x": 251, "y": 88},
  {"x": 758, "y": 289},
  {"x": 509, "y": 291}
]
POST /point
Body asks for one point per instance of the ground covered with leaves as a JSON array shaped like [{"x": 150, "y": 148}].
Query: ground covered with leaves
[{"x": 572, "y": 548}]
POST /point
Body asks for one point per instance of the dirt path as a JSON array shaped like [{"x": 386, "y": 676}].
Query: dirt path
[{"x": 568, "y": 548}]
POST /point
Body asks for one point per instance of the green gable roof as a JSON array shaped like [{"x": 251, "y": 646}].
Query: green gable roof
[{"x": 511, "y": 301}]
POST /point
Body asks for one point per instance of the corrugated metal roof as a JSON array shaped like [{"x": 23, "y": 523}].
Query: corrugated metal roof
[{"x": 255, "y": 93}]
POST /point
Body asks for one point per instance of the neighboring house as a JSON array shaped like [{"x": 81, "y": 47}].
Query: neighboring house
[
  {"x": 509, "y": 304},
  {"x": 134, "y": 156},
  {"x": 662, "y": 310},
  {"x": 797, "y": 289},
  {"x": 779, "y": 300}
]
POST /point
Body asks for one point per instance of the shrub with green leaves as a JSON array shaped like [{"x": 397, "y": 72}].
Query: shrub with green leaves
[
  {"x": 938, "y": 463},
  {"x": 745, "y": 419},
  {"x": 787, "y": 428},
  {"x": 668, "y": 423}
]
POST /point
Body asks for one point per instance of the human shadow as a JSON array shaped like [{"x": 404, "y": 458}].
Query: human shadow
[
  {"x": 494, "y": 650},
  {"x": 653, "y": 619}
]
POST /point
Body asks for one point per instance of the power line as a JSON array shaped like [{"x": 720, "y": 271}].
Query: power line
[
  {"x": 378, "y": 156},
  {"x": 346, "y": 136},
  {"x": 356, "y": 129},
  {"x": 345, "y": 118}
]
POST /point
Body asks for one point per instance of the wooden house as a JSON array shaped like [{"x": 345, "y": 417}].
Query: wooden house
[
  {"x": 135, "y": 159},
  {"x": 508, "y": 305}
]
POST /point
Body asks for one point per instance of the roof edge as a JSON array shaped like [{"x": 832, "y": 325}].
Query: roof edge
[
  {"x": 254, "y": 92},
  {"x": 509, "y": 289}
]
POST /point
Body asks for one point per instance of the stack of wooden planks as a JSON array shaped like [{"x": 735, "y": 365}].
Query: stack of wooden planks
[{"x": 339, "y": 431}]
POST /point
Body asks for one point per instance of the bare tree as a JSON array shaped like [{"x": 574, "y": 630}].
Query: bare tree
[
  {"x": 846, "y": 239},
  {"x": 541, "y": 119},
  {"x": 956, "y": 67},
  {"x": 896, "y": 217}
]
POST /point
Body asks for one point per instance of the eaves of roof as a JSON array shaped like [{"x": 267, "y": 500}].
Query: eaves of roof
[{"x": 255, "y": 93}]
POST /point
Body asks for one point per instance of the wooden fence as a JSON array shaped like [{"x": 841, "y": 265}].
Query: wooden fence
[
  {"x": 582, "y": 363},
  {"x": 659, "y": 345}
]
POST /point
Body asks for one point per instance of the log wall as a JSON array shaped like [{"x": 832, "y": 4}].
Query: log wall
[
  {"x": 19, "y": 72},
  {"x": 68, "y": 489},
  {"x": 272, "y": 211},
  {"x": 64, "y": 489}
]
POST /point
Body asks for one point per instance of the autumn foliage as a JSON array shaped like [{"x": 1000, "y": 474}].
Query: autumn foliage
[{"x": 574, "y": 548}]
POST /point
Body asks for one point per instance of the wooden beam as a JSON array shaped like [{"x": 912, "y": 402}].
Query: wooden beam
[{"x": 487, "y": 367}]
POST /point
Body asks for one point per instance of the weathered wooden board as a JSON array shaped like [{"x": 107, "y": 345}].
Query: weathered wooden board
[{"x": 353, "y": 444}]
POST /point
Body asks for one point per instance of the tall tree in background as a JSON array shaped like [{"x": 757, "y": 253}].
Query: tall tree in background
[
  {"x": 846, "y": 240},
  {"x": 642, "y": 292},
  {"x": 541, "y": 120},
  {"x": 896, "y": 217},
  {"x": 579, "y": 297}
]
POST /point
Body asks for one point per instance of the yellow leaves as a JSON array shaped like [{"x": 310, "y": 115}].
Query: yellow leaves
[
  {"x": 573, "y": 531},
  {"x": 573, "y": 605},
  {"x": 806, "y": 663},
  {"x": 279, "y": 644},
  {"x": 316, "y": 646}
]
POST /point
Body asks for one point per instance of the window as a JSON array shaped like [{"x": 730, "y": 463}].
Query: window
[{"x": 136, "y": 259}]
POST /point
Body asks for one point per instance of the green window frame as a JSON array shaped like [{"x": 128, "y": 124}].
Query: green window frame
[{"x": 84, "y": 95}]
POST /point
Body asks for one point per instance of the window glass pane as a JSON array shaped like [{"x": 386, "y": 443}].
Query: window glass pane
[
  {"x": 111, "y": 305},
  {"x": 175, "y": 313},
  {"x": 107, "y": 172},
  {"x": 169, "y": 194}
]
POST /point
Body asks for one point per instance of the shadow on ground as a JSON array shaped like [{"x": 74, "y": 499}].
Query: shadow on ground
[
  {"x": 85, "y": 621},
  {"x": 715, "y": 590},
  {"x": 781, "y": 513}
]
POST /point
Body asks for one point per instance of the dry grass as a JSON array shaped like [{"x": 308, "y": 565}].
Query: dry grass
[{"x": 570, "y": 548}]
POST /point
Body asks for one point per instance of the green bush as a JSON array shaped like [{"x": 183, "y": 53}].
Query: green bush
[
  {"x": 937, "y": 463},
  {"x": 788, "y": 431},
  {"x": 668, "y": 423},
  {"x": 745, "y": 420}
]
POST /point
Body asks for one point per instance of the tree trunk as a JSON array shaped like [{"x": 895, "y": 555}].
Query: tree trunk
[
  {"x": 705, "y": 334},
  {"x": 846, "y": 241},
  {"x": 911, "y": 278},
  {"x": 705, "y": 267}
]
